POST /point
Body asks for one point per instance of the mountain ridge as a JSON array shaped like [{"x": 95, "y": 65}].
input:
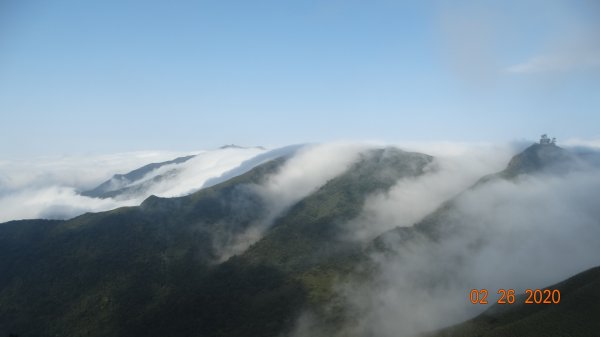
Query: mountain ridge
[
  {"x": 576, "y": 313},
  {"x": 117, "y": 183},
  {"x": 155, "y": 269}
]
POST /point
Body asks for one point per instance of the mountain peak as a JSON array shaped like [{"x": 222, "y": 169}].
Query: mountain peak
[{"x": 538, "y": 157}]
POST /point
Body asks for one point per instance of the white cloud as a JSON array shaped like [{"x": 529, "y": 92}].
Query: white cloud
[
  {"x": 578, "y": 142},
  {"x": 563, "y": 62},
  {"x": 527, "y": 233},
  {"x": 79, "y": 172},
  {"x": 456, "y": 166},
  {"x": 523, "y": 234},
  {"x": 191, "y": 175},
  {"x": 54, "y": 202},
  {"x": 48, "y": 187},
  {"x": 530, "y": 233},
  {"x": 310, "y": 168},
  {"x": 571, "y": 43}
]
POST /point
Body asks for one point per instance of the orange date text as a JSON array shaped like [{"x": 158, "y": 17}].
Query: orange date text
[{"x": 507, "y": 296}]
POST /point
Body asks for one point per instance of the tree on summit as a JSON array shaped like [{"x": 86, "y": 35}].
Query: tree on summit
[{"x": 545, "y": 140}]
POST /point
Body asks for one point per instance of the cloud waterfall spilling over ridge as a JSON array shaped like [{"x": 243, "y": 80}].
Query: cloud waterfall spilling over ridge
[
  {"x": 456, "y": 167},
  {"x": 302, "y": 174},
  {"x": 49, "y": 187},
  {"x": 529, "y": 232},
  {"x": 521, "y": 234}
]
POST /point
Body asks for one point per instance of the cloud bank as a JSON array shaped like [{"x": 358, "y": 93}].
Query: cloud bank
[
  {"x": 521, "y": 235},
  {"x": 309, "y": 168},
  {"x": 49, "y": 187},
  {"x": 175, "y": 180},
  {"x": 560, "y": 62},
  {"x": 456, "y": 166},
  {"x": 528, "y": 233}
]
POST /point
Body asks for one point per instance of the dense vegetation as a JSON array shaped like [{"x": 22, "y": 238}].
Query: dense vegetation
[
  {"x": 155, "y": 270},
  {"x": 101, "y": 274}
]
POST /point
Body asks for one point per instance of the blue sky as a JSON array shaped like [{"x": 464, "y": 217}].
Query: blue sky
[{"x": 83, "y": 77}]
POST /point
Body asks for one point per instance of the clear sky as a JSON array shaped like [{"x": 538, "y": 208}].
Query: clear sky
[{"x": 105, "y": 76}]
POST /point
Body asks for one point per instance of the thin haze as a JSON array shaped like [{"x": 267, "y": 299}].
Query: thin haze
[{"x": 115, "y": 76}]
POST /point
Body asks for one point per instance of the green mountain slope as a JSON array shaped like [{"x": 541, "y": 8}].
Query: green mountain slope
[
  {"x": 154, "y": 270},
  {"x": 302, "y": 250},
  {"x": 576, "y": 314},
  {"x": 310, "y": 242},
  {"x": 99, "y": 274},
  {"x": 311, "y": 231},
  {"x": 537, "y": 158},
  {"x": 151, "y": 270}
]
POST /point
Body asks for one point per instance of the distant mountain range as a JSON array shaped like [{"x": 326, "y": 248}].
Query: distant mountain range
[
  {"x": 201, "y": 170},
  {"x": 130, "y": 182},
  {"x": 217, "y": 262}
]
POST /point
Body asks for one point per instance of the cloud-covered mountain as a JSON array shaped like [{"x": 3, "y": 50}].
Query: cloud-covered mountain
[
  {"x": 122, "y": 183},
  {"x": 50, "y": 188},
  {"x": 339, "y": 239},
  {"x": 530, "y": 225},
  {"x": 182, "y": 175}
]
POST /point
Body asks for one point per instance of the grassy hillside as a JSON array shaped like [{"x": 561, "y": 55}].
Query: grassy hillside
[
  {"x": 100, "y": 274},
  {"x": 296, "y": 263},
  {"x": 152, "y": 270},
  {"x": 311, "y": 231},
  {"x": 310, "y": 242}
]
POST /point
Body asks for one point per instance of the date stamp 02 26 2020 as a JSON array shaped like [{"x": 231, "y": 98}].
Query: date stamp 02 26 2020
[{"x": 507, "y": 296}]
